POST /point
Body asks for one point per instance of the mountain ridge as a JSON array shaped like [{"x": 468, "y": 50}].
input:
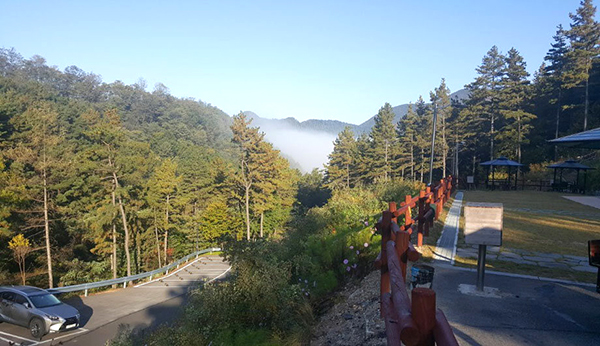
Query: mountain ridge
[{"x": 335, "y": 126}]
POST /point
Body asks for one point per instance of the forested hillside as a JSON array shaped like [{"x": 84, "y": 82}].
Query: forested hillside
[
  {"x": 106, "y": 180},
  {"x": 508, "y": 112}
]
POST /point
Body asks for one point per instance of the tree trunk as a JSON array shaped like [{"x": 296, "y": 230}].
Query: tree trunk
[
  {"x": 247, "y": 199},
  {"x": 385, "y": 176},
  {"x": 157, "y": 241},
  {"x": 113, "y": 263},
  {"x": 587, "y": 102},
  {"x": 167, "y": 229},
  {"x": 422, "y": 163},
  {"x": 444, "y": 146},
  {"x": 557, "y": 122},
  {"x": 412, "y": 160},
  {"x": 492, "y": 138},
  {"x": 124, "y": 220},
  {"x": 47, "y": 226},
  {"x": 347, "y": 176},
  {"x": 261, "y": 223},
  {"x": 518, "y": 145},
  {"x": 138, "y": 243}
]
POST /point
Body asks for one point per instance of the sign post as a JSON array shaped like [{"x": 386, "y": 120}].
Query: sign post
[{"x": 483, "y": 227}]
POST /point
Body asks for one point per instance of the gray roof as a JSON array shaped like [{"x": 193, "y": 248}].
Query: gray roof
[
  {"x": 570, "y": 164},
  {"x": 587, "y": 139},
  {"x": 501, "y": 161}
]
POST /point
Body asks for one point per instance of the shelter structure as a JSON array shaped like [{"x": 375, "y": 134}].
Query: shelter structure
[
  {"x": 586, "y": 140},
  {"x": 570, "y": 165},
  {"x": 501, "y": 162}
]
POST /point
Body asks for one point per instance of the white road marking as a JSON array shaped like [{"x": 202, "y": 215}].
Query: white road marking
[
  {"x": 16, "y": 336},
  {"x": 172, "y": 286},
  {"x": 79, "y": 331},
  {"x": 173, "y": 273}
]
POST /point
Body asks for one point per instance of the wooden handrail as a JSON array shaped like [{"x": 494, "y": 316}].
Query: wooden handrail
[{"x": 414, "y": 321}]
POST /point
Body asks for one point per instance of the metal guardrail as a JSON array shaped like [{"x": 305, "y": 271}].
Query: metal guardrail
[{"x": 124, "y": 280}]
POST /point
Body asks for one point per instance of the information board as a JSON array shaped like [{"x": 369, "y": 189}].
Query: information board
[{"x": 483, "y": 223}]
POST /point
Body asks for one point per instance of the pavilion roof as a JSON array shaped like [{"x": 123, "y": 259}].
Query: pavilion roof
[
  {"x": 501, "y": 161},
  {"x": 587, "y": 139},
  {"x": 570, "y": 164}
]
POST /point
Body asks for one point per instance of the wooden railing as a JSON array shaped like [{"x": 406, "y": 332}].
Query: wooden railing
[{"x": 415, "y": 321}]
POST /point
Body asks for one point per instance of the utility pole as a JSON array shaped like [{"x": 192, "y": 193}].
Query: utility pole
[{"x": 432, "y": 142}]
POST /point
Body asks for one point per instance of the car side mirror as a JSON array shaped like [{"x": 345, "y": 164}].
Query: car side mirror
[{"x": 27, "y": 305}]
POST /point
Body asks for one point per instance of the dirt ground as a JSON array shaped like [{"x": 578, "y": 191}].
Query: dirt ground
[{"x": 355, "y": 318}]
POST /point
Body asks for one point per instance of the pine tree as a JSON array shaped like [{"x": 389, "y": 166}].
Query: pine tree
[
  {"x": 340, "y": 168},
  {"x": 440, "y": 99},
  {"x": 513, "y": 104},
  {"x": 37, "y": 158},
  {"x": 407, "y": 134},
  {"x": 584, "y": 37},
  {"x": 423, "y": 126},
  {"x": 484, "y": 92},
  {"x": 383, "y": 139},
  {"x": 555, "y": 72},
  {"x": 261, "y": 170},
  {"x": 162, "y": 190}
]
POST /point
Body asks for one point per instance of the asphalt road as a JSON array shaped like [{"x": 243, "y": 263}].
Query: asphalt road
[
  {"x": 145, "y": 305},
  {"x": 517, "y": 310}
]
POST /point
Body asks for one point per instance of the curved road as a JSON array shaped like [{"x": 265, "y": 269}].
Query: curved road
[{"x": 144, "y": 305}]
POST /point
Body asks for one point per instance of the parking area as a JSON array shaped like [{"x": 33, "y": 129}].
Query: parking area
[{"x": 99, "y": 310}]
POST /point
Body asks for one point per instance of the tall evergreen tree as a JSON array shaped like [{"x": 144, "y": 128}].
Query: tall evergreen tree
[
  {"x": 584, "y": 37},
  {"x": 340, "y": 168},
  {"x": 36, "y": 154},
  {"x": 513, "y": 104},
  {"x": 440, "y": 99},
  {"x": 484, "y": 92},
  {"x": 383, "y": 138},
  {"x": 407, "y": 135},
  {"x": 555, "y": 71}
]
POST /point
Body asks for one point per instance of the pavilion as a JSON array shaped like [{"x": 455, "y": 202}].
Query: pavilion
[
  {"x": 570, "y": 165},
  {"x": 501, "y": 162}
]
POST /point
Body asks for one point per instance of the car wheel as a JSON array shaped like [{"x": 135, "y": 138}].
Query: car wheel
[{"x": 36, "y": 327}]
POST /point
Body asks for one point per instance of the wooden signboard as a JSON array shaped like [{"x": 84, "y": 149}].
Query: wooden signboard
[{"x": 483, "y": 223}]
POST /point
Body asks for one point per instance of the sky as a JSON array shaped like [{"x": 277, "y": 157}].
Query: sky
[{"x": 339, "y": 60}]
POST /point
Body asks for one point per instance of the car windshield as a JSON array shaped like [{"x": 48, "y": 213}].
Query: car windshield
[{"x": 44, "y": 301}]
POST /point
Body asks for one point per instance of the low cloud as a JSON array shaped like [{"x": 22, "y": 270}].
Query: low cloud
[{"x": 309, "y": 149}]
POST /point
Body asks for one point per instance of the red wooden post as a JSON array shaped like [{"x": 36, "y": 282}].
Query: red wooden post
[
  {"x": 423, "y": 312},
  {"x": 407, "y": 215},
  {"x": 402, "y": 241},
  {"x": 393, "y": 209},
  {"x": 420, "y": 229}
]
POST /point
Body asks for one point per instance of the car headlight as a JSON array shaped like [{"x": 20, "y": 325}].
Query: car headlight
[{"x": 53, "y": 318}]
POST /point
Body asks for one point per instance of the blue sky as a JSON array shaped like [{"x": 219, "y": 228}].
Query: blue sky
[{"x": 306, "y": 59}]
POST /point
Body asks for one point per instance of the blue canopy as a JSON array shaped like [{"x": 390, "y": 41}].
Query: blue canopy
[
  {"x": 587, "y": 139},
  {"x": 570, "y": 164},
  {"x": 501, "y": 161}
]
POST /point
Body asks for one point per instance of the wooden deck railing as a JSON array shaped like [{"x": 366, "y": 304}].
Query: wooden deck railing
[{"x": 415, "y": 321}]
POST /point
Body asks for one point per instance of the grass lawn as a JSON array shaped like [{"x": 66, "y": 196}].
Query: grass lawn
[{"x": 564, "y": 226}]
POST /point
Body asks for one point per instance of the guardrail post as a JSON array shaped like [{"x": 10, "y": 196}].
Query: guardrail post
[
  {"x": 151, "y": 277},
  {"x": 124, "y": 284},
  {"x": 85, "y": 294}
]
